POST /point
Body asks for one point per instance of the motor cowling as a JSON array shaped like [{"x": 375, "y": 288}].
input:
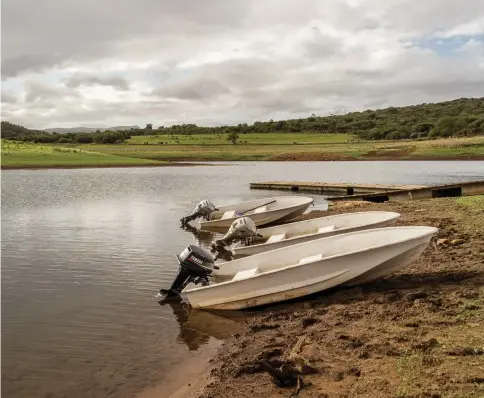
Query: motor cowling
[
  {"x": 242, "y": 228},
  {"x": 196, "y": 266},
  {"x": 203, "y": 209}
]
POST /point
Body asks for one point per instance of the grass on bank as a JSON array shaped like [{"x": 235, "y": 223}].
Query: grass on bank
[
  {"x": 15, "y": 154},
  {"x": 244, "y": 138},
  {"x": 19, "y": 154},
  {"x": 453, "y": 148},
  {"x": 475, "y": 202}
]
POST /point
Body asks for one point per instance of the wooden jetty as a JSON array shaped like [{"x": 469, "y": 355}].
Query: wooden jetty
[
  {"x": 375, "y": 192},
  {"x": 328, "y": 188}
]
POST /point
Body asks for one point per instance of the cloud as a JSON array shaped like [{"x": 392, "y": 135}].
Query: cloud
[
  {"x": 78, "y": 80},
  {"x": 8, "y": 98},
  {"x": 193, "y": 89},
  {"x": 116, "y": 62}
]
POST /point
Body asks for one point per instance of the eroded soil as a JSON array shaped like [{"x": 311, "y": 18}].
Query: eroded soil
[{"x": 418, "y": 333}]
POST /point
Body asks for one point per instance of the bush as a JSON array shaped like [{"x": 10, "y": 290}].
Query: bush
[
  {"x": 45, "y": 138},
  {"x": 109, "y": 137},
  {"x": 84, "y": 138},
  {"x": 449, "y": 126},
  {"x": 476, "y": 127}
]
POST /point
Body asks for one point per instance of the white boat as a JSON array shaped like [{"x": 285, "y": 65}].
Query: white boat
[
  {"x": 310, "y": 267},
  {"x": 261, "y": 211},
  {"x": 316, "y": 228}
]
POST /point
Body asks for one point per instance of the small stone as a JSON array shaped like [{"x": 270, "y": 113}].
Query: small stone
[
  {"x": 416, "y": 295},
  {"x": 443, "y": 242},
  {"x": 456, "y": 242},
  {"x": 308, "y": 322},
  {"x": 355, "y": 372},
  {"x": 465, "y": 351},
  {"x": 427, "y": 345}
]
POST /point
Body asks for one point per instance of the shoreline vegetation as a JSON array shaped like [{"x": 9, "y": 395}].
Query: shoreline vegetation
[
  {"x": 451, "y": 130},
  {"x": 417, "y": 333}
]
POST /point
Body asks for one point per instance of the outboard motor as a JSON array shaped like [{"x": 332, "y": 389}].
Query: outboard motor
[
  {"x": 241, "y": 229},
  {"x": 196, "y": 265},
  {"x": 204, "y": 209}
]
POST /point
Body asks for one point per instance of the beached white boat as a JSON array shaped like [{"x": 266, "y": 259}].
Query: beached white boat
[
  {"x": 303, "y": 231},
  {"x": 261, "y": 211},
  {"x": 307, "y": 268}
]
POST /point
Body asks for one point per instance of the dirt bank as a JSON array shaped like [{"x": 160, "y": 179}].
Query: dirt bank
[
  {"x": 370, "y": 156},
  {"x": 418, "y": 333}
]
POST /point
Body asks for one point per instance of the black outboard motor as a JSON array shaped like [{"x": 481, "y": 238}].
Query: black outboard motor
[
  {"x": 196, "y": 265},
  {"x": 204, "y": 209}
]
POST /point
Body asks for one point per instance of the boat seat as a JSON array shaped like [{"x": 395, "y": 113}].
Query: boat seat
[
  {"x": 247, "y": 273},
  {"x": 228, "y": 214},
  {"x": 326, "y": 228},
  {"x": 310, "y": 259},
  {"x": 276, "y": 238},
  {"x": 260, "y": 209}
]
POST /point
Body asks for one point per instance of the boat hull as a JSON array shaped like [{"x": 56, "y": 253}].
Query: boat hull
[
  {"x": 300, "y": 280},
  {"x": 391, "y": 266},
  {"x": 265, "y": 218}
]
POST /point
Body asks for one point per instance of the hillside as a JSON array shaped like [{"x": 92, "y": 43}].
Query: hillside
[
  {"x": 457, "y": 118},
  {"x": 64, "y": 130},
  {"x": 461, "y": 117}
]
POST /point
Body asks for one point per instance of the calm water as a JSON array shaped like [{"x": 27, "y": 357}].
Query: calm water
[{"x": 84, "y": 252}]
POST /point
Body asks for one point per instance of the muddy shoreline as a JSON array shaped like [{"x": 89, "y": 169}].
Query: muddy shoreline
[
  {"x": 196, "y": 161},
  {"x": 417, "y": 333}
]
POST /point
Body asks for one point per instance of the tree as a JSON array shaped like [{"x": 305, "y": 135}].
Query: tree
[
  {"x": 233, "y": 136},
  {"x": 445, "y": 127},
  {"x": 476, "y": 127},
  {"x": 149, "y": 126}
]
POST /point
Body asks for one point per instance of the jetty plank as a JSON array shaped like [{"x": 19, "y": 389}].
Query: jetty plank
[{"x": 376, "y": 192}]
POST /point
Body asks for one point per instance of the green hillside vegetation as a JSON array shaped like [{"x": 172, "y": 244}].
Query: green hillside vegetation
[
  {"x": 15, "y": 132},
  {"x": 458, "y": 118}
]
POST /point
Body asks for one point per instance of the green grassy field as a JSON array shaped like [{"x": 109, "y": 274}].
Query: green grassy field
[
  {"x": 26, "y": 155},
  {"x": 456, "y": 148},
  {"x": 249, "y": 138}
]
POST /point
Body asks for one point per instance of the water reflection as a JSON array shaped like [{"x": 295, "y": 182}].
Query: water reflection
[
  {"x": 198, "y": 326},
  {"x": 205, "y": 238},
  {"x": 201, "y": 238}
]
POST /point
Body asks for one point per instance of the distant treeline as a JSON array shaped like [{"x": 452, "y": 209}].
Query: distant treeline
[
  {"x": 19, "y": 133},
  {"x": 461, "y": 117}
]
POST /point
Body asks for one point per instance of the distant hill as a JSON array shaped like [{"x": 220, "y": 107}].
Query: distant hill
[
  {"x": 457, "y": 118},
  {"x": 65, "y": 130}
]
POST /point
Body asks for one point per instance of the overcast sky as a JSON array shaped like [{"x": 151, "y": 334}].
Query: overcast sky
[{"x": 123, "y": 62}]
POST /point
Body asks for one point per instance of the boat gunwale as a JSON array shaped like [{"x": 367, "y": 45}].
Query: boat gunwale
[
  {"x": 431, "y": 231},
  {"x": 396, "y": 216}
]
